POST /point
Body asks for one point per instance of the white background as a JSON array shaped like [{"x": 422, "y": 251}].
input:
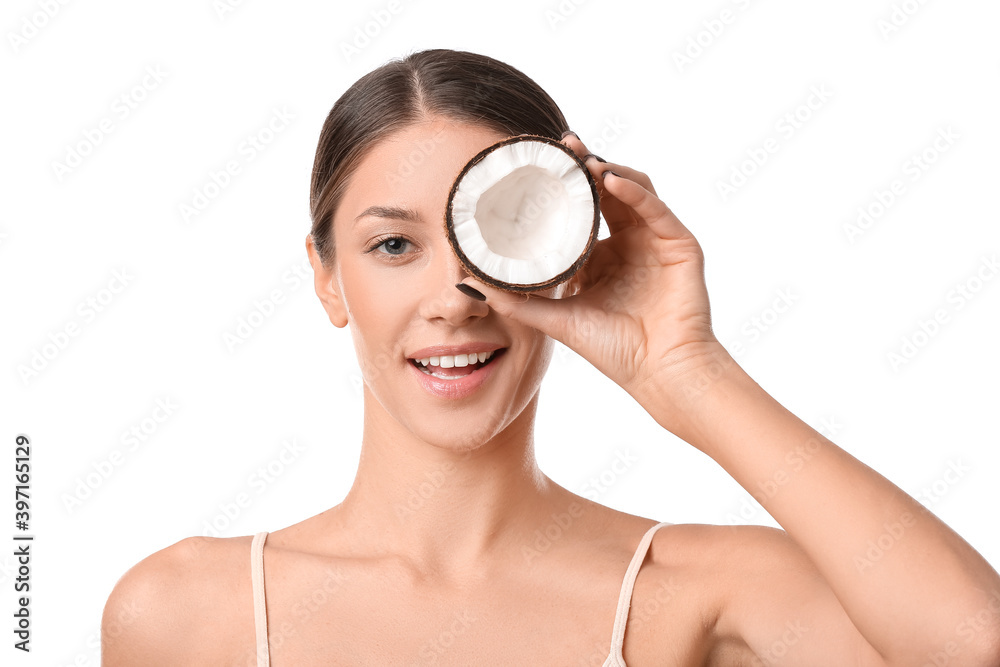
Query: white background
[{"x": 614, "y": 70}]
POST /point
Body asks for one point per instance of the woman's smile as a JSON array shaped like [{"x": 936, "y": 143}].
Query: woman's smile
[
  {"x": 450, "y": 366},
  {"x": 455, "y": 376}
]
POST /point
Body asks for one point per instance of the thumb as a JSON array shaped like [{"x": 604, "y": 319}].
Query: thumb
[{"x": 546, "y": 314}]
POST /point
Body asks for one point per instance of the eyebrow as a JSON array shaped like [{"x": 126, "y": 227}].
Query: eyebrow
[{"x": 398, "y": 212}]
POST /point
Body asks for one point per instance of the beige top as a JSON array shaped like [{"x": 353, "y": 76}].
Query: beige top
[{"x": 614, "y": 659}]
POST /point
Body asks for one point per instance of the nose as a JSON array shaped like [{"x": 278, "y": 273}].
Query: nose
[{"x": 442, "y": 301}]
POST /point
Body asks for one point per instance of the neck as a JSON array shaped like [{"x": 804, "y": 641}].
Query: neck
[{"x": 449, "y": 505}]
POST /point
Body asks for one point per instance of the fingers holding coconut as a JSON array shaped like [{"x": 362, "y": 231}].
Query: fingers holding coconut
[
  {"x": 538, "y": 309},
  {"x": 598, "y": 168},
  {"x": 523, "y": 216},
  {"x": 649, "y": 208},
  {"x": 617, "y": 215},
  {"x": 598, "y": 165},
  {"x": 595, "y": 164}
]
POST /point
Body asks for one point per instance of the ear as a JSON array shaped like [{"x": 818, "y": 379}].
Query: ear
[{"x": 327, "y": 287}]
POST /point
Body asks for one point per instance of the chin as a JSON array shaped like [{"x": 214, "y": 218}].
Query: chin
[{"x": 463, "y": 437}]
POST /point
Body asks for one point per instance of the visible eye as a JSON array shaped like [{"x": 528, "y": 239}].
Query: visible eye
[{"x": 394, "y": 245}]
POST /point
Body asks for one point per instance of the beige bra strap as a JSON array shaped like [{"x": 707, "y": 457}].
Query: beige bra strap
[
  {"x": 259, "y": 607},
  {"x": 625, "y": 598}
]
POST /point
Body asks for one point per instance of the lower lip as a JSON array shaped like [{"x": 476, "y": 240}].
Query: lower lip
[{"x": 459, "y": 388}]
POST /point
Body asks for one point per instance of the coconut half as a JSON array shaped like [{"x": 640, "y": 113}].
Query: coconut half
[{"x": 523, "y": 214}]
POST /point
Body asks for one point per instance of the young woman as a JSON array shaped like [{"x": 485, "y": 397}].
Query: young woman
[{"x": 498, "y": 564}]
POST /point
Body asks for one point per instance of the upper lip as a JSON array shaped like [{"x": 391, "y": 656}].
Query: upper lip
[{"x": 450, "y": 350}]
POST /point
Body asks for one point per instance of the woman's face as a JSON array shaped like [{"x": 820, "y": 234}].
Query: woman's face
[{"x": 393, "y": 281}]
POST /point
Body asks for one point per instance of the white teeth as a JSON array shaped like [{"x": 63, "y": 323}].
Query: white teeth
[{"x": 456, "y": 360}]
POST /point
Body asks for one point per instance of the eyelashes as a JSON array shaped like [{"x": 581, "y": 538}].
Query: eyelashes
[{"x": 383, "y": 240}]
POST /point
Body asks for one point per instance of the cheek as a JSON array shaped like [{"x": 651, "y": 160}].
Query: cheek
[
  {"x": 538, "y": 349},
  {"x": 377, "y": 312},
  {"x": 371, "y": 291}
]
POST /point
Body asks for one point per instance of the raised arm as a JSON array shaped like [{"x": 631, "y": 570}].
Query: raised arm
[
  {"x": 915, "y": 591},
  {"x": 884, "y": 581}
]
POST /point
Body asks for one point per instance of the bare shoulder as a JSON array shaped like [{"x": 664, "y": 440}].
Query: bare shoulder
[
  {"x": 724, "y": 549},
  {"x": 189, "y": 603},
  {"x": 758, "y": 596},
  {"x": 729, "y": 561},
  {"x": 745, "y": 562}
]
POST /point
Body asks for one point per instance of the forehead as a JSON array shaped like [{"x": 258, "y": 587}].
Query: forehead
[{"x": 415, "y": 167}]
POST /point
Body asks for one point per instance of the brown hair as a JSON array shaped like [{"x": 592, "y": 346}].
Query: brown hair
[{"x": 463, "y": 86}]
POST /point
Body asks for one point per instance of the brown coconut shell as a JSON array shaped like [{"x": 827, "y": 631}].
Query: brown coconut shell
[{"x": 474, "y": 270}]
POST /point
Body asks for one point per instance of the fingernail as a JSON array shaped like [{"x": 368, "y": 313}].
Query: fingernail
[
  {"x": 605, "y": 173},
  {"x": 569, "y": 132},
  {"x": 470, "y": 291},
  {"x": 596, "y": 157}
]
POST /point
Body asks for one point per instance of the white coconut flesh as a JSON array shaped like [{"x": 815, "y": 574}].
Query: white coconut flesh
[{"x": 524, "y": 213}]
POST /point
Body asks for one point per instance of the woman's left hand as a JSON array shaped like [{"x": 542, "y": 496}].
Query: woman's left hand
[{"x": 638, "y": 309}]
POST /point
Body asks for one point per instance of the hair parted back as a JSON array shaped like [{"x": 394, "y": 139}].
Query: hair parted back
[{"x": 464, "y": 86}]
